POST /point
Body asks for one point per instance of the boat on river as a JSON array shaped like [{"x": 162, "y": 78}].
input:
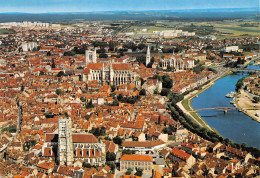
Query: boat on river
[{"x": 231, "y": 94}]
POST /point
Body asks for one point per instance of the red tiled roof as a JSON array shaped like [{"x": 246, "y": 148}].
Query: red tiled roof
[
  {"x": 180, "y": 153},
  {"x": 136, "y": 158},
  {"x": 76, "y": 138},
  {"x": 142, "y": 144}
]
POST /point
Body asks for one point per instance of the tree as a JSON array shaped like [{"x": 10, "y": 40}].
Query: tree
[
  {"x": 198, "y": 69},
  {"x": 117, "y": 140},
  {"x": 61, "y": 73},
  {"x": 142, "y": 92},
  {"x": 156, "y": 91},
  {"x": 129, "y": 171},
  {"x": 142, "y": 81},
  {"x": 89, "y": 105},
  {"x": 149, "y": 65},
  {"x": 41, "y": 73},
  {"x": 141, "y": 59},
  {"x": 98, "y": 131},
  {"x": 53, "y": 64},
  {"x": 87, "y": 117},
  {"x": 103, "y": 55},
  {"x": 110, "y": 156},
  {"x": 165, "y": 92},
  {"x": 83, "y": 99},
  {"x": 128, "y": 152},
  {"x": 167, "y": 130},
  {"x": 86, "y": 165},
  {"x": 167, "y": 81},
  {"x": 139, "y": 172},
  {"x": 29, "y": 144},
  {"x": 239, "y": 83},
  {"x": 59, "y": 92},
  {"x": 239, "y": 60},
  {"x": 113, "y": 88},
  {"x": 69, "y": 53},
  {"x": 256, "y": 99}
]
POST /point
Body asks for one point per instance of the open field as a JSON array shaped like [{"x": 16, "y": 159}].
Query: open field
[
  {"x": 221, "y": 29},
  {"x": 6, "y": 31}
]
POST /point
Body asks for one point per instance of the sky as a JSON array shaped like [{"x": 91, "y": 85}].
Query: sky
[{"x": 47, "y": 6}]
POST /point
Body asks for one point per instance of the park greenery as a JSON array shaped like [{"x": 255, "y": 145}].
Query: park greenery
[
  {"x": 118, "y": 140},
  {"x": 98, "y": 131},
  {"x": 110, "y": 156},
  {"x": 90, "y": 104},
  {"x": 11, "y": 129},
  {"x": 129, "y": 171},
  {"x": 240, "y": 83},
  {"x": 7, "y": 31},
  {"x": 29, "y": 144},
  {"x": 142, "y": 92},
  {"x": 198, "y": 69},
  {"x": 58, "y": 92}
]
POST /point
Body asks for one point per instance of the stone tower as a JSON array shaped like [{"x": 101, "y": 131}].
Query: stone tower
[
  {"x": 148, "y": 57},
  {"x": 65, "y": 148},
  {"x": 173, "y": 60},
  {"x": 91, "y": 56}
]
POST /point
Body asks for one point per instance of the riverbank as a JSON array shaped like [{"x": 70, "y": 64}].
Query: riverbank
[
  {"x": 244, "y": 103},
  {"x": 185, "y": 104},
  {"x": 257, "y": 62}
]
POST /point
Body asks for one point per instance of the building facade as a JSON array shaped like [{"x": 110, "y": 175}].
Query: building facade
[
  {"x": 111, "y": 74},
  {"x": 143, "y": 162},
  {"x": 177, "y": 63}
]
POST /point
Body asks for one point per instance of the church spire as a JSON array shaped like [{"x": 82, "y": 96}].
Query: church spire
[{"x": 148, "y": 57}]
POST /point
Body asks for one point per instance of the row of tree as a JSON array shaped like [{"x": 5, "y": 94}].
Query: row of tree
[{"x": 207, "y": 134}]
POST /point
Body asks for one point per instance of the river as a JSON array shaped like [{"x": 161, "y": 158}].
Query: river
[{"x": 234, "y": 125}]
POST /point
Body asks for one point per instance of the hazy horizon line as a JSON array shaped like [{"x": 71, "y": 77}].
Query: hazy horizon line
[{"x": 186, "y": 9}]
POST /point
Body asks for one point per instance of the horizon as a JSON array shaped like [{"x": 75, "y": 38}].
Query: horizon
[
  {"x": 118, "y": 11},
  {"x": 88, "y": 6}
]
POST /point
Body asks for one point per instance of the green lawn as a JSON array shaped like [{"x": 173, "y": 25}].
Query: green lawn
[{"x": 7, "y": 31}]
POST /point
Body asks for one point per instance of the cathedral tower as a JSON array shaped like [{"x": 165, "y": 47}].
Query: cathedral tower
[
  {"x": 91, "y": 56},
  {"x": 148, "y": 57},
  {"x": 65, "y": 149}
]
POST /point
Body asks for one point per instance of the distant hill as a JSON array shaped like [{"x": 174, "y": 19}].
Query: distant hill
[{"x": 183, "y": 14}]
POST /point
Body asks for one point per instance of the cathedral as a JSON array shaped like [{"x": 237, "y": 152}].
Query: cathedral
[
  {"x": 107, "y": 73},
  {"x": 66, "y": 147}
]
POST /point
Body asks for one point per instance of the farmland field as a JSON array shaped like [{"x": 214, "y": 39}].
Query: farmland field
[{"x": 221, "y": 29}]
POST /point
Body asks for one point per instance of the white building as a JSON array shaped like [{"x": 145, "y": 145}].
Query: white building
[
  {"x": 230, "y": 49},
  {"x": 145, "y": 148}
]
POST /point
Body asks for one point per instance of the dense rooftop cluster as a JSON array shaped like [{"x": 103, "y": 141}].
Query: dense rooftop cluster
[{"x": 117, "y": 129}]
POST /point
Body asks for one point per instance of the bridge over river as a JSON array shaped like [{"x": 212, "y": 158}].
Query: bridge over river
[
  {"x": 225, "y": 109},
  {"x": 245, "y": 70}
]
